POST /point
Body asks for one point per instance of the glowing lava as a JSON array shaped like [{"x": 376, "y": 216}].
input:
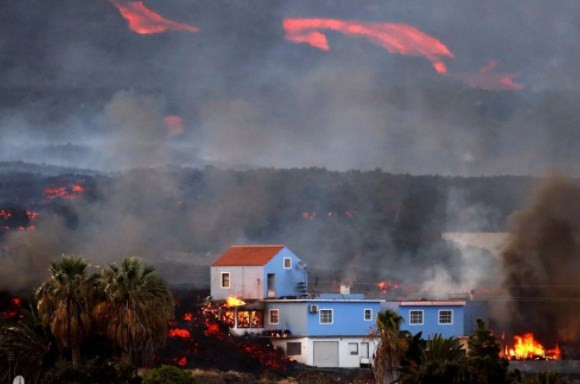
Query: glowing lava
[
  {"x": 486, "y": 79},
  {"x": 398, "y": 38},
  {"x": 174, "y": 125},
  {"x": 232, "y": 301},
  {"x": 72, "y": 191},
  {"x": 179, "y": 332},
  {"x": 526, "y": 347},
  {"x": 144, "y": 21}
]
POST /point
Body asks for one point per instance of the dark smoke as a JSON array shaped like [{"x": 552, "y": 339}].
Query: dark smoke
[{"x": 542, "y": 263}]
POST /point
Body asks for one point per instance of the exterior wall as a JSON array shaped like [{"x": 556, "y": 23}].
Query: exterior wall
[
  {"x": 292, "y": 317},
  {"x": 475, "y": 310},
  {"x": 431, "y": 324},
  {"x": 286, "y": 279},
  {"x": 345, "y": 359},
  {"x": 347, "y": 316},
  {"x": 245, "y": 282}
]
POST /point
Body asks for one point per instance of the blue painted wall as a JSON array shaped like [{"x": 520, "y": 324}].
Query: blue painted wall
[
  {"x": 286, "y": 279},
  {"x": 475, "y": 310},
  {"x": 431, "y": 324},
  {"x": 348, "y": 318}
]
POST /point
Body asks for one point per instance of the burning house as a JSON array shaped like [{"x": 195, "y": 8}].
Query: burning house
[{"x": 267, "y": 290}]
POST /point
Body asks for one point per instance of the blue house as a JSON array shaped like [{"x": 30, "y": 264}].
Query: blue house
[
  {"x": 324, "y": 330},
  {"x": 449, "y": 318}
]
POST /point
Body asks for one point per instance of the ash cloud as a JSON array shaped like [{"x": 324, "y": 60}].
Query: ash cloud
[
  {"x": 249, "y": 98},
  {"x": 542, "y": 262}
]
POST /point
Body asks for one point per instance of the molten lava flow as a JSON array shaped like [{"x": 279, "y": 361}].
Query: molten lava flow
[
  {"x": 174, "y": 125},
  {"x": 486, "y": 79},
  {"x": 232, "y": 301},
  {"x": 179, "y": 332},
  {"x": 144, "y": 21},
  {"x": 71, "y": 191},
  {"x": 182, "y": 362},
  {"x": 394, "y": 37},
  {"x": 526, "y": 347},
  {"x": 188, "y": 316}
]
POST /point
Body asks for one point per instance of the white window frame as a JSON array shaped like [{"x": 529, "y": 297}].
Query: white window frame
[
  {"x": 422, "y": 316},
  {"x": 270, "y": 311},
  {"x": 284, "y": 262},
  {"x": 439, "y": 316},
  {"x": 331, "y": 316},
  {"x": 365, "y": 314},
  {"x": 222, "y": 280}
]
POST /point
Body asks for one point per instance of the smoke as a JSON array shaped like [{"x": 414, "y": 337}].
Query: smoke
[
  {"x": 542, "y": 262},
  {"x": 249, "y": 97}
]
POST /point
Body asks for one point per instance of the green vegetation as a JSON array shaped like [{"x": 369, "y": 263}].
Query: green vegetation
[
  {"x": 391, "y": 347},
  {"x": 168, "y": 375},
  {"x": 129, "y": 306}
]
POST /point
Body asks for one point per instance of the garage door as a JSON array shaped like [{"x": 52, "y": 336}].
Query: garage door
[{"x": 326, "y": 353}]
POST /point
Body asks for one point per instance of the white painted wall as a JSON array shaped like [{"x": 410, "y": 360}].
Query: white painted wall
[
  {"x": 245, "y": 282},
  {"x": 345, "y": 359}
]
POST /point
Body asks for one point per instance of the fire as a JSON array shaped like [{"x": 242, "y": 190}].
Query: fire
[
  {"x": 144, "y": 21},
  {"x": 527, "y": 347},
  {"x": 386, "y": 286},
  {"x": 232, "y": 301},
  {"x": 398, "y": 38}
]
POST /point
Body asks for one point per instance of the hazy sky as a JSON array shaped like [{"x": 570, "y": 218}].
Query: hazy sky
[{"x": 79, "y": 87}]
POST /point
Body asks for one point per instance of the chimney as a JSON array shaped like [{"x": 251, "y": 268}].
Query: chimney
[{"x": 344, "y": 289}]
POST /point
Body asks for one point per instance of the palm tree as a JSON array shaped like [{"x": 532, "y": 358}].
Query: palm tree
[
  {"x": 441, "y": 350},
  {"x": 64, "y": 303},
  {"x": 31, "y": 343},
  {"x": 137, "y": 309},
  {"x": 391, "y": 347}
]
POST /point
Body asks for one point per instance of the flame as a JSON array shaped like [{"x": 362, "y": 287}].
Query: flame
[
  {"x": 144, "y": 21},
  {"x": 233, "y": 301},
  {"x": 398, "y": 38},
  {"x": 386, "y": 286},
  {"x": 527, "y": 347},
  {"x": 179, "y": 332}
]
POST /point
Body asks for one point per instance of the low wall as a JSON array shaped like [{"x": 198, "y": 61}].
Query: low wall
[{"x": 565, "y": 367}]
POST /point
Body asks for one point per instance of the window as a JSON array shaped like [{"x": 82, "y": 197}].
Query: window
[
  {"x": 287, "y": 263},
  {"x": 293, "y": 349},
  {"x": 445, "y": 316},
  {"x": 353, "y": 348},
  {"x": 368, "y": 314},
  {"x": 274, "y": 316},
  {"x": 416, "y": 317},
  {"x": 326, "y": 316},
  {"x": 225, "y": 279}
]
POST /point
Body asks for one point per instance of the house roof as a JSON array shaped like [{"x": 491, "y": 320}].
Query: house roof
[{"x": 248, "y": 255}]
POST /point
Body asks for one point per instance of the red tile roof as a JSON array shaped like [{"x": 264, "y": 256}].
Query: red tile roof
[{"x": 248, "y": 255}]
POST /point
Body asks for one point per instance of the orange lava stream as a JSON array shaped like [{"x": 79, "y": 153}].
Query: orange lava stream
[
  {"x": 144, "y": 21},
  {"x": 398, "y": 38}
]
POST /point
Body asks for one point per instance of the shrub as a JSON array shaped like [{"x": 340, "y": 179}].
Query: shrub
[{"x": 168, "y": 374}]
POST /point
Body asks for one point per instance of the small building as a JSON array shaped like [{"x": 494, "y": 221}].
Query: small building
[
  {"x": 449, "y": 318},
  {"x": 324, "y": 330},
  {"x": 258, "y": 272}
]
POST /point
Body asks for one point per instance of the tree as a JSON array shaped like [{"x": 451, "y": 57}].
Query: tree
[
  {"x": 65, "y": 302},
  {"x": 31, "y": 343},
  {"x": 391, "y": 347},
  {"x": 137, "y": 308}
]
